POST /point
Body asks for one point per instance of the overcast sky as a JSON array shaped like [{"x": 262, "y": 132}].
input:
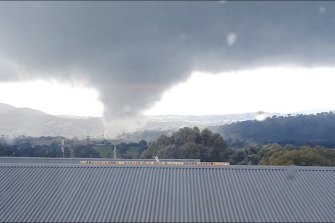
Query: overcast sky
[{"x": 131, "y": 53}]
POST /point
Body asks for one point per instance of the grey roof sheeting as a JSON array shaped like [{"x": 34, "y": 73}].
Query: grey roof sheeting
[{"x": 77, "y": 193}]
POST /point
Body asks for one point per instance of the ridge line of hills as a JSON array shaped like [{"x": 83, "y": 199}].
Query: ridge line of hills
[
  {"x": 311, "y": 129},
  {"x": 30, "y": 122}
]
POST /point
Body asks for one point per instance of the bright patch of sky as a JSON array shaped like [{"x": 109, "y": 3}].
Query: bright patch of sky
[
  {"x": 52, "y": 97},
  {"x": 269, "y": 89}
]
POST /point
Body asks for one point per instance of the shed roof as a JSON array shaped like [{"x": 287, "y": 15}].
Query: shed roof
[{"x": 64, "y": 193}]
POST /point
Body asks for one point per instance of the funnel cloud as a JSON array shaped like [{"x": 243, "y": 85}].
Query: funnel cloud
[{"x": 131, "y": 52}]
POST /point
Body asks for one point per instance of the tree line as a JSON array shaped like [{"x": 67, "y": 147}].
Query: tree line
[
  {"x": 186, "y": 143},
  {"x": 311, "y": 130},
  {"x": 191, "y": 143}
]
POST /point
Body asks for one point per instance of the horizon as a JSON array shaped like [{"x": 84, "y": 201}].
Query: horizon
[
  {"x": 62, "y": 99},
  {"x": 303, "y": 112}
]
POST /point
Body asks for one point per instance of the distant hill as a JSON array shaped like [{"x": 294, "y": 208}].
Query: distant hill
[
  {"x": 174, "y": 122},
  {"x": 158, "y": 125},
  {"x": 30, "y": 122},
  {"x": 318, "y": 129}
]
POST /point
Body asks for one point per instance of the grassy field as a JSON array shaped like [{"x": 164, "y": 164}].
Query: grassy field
[{"x": 106, "y": 151}]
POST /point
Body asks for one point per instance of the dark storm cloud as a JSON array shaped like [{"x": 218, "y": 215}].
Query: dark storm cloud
[{"x": 133, "y": 51}]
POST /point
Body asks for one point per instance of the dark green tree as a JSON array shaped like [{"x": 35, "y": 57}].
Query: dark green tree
[{"x": 189, "y": 143}]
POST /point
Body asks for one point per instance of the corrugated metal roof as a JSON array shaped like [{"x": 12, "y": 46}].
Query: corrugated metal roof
[{"x": 76, "y": 193}]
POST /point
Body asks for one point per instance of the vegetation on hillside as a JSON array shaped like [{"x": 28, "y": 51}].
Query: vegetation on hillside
[
  {"x": 312, "y": 130},
  {"x": 186, "y": 143}
]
